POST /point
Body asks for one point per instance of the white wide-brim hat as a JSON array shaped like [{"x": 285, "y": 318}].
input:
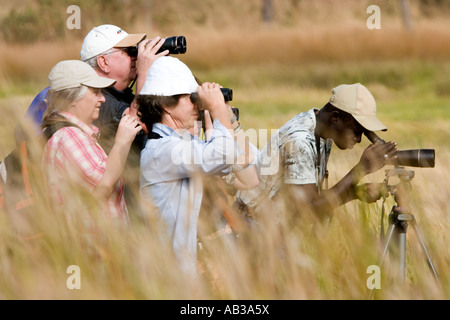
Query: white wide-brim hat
[{"x": 168, "y": 76}]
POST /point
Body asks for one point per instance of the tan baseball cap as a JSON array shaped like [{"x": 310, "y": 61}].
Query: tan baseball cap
[
  {"x": 169, "y": 76},
  {"x": 359, "y": 102},
  {"x": 74, "y": 73},
  {"x": 105, "y": 37}
]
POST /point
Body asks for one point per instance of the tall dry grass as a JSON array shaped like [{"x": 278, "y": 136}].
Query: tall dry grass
[
  {"x": 286, "y": 256},
  {"x": 276, "y": 71}
]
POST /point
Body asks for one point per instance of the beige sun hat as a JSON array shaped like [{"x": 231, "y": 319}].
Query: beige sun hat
[
  {"x": 359, "y": 102},
  {"x": 105, "y": 37},
  {"x": 74, "y": 73},
  {"x": 169, "y": 76}
]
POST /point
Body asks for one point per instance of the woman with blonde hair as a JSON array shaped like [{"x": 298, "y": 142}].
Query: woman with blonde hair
[{"x": 73, "y": 159}]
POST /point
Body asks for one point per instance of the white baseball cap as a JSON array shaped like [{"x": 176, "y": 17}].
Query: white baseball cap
[
  {"x": 74, "y": 73},
  {"x": 105, "y": 37},
  {"x": 359, "y": 102},
  {"x": 169, "y": 76}
]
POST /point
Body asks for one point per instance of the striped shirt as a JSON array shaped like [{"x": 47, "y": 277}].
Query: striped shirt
[{"x": 73, "y": 158}]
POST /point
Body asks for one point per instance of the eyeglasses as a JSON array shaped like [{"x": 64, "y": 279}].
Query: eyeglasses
[{"x": 130, "y": 51}]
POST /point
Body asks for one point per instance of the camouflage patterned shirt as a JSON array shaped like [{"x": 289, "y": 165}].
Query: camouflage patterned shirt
[{"x": 290, "y": 157}]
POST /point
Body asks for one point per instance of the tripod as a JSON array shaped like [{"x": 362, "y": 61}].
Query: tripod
[{"x": 399, "y": 220}]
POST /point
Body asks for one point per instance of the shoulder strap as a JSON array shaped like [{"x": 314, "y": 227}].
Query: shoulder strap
[
  {"x": 154, "y": 135},
  {"x": 51, "y": 129},
  {"x": 318, "y": 164}
]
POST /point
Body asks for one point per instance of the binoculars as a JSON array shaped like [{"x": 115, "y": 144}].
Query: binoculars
[
  {"x": 227, "y": 95},
  {"x": 175, "y": 45},
  {"x": 226, "y": 92}
]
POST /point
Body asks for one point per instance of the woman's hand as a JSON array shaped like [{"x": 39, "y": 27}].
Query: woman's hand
[
  {"x": 211, "y": 99},
  {"x": 133, "y": 111},
  {"x": 210, "y": 96},
  {"x": 129, "y": 127}
]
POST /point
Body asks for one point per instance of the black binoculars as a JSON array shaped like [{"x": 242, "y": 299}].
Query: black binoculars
[
  {"x": 175, "y": 45},
  {"x": 226, "y": 92},
  {"x": 227, "y": 95}
]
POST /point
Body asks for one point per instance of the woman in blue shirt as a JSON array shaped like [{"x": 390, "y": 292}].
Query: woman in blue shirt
[{"x": 174, "y": 160}]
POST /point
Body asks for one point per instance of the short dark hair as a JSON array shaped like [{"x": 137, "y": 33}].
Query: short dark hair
[
  {"x": 329, "y": 108},
  {"x": 150, "y": 107}
]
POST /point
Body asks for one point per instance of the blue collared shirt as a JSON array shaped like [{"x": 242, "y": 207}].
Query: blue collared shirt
[{"x": 171, "y": 170}]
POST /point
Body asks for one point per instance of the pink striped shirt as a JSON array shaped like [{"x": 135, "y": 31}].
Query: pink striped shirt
[{"x": 73, "y": 157}]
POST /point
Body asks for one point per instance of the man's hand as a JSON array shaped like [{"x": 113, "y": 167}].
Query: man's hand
[
  {"x": 370, "y": 192},
  {"x": 376, "y": 156},
  {"x": 146, "y": 56}
]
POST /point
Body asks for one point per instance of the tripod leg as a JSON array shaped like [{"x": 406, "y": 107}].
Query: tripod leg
[
  {"x": 390, "y": 233},
  {"x": 422, "y": 242},
  {"x": 397, "y": 232},
  {"x": 402, "y": 255}
]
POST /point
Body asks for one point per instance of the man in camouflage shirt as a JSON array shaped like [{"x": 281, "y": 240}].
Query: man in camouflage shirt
[{"x": 295, "y": 159}]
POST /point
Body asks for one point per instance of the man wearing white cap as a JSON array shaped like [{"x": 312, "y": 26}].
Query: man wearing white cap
[
  {"x": 173, "y": 161},
  {"x": 112, "y": 53},
  {"x": 296, "y": 157}
]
